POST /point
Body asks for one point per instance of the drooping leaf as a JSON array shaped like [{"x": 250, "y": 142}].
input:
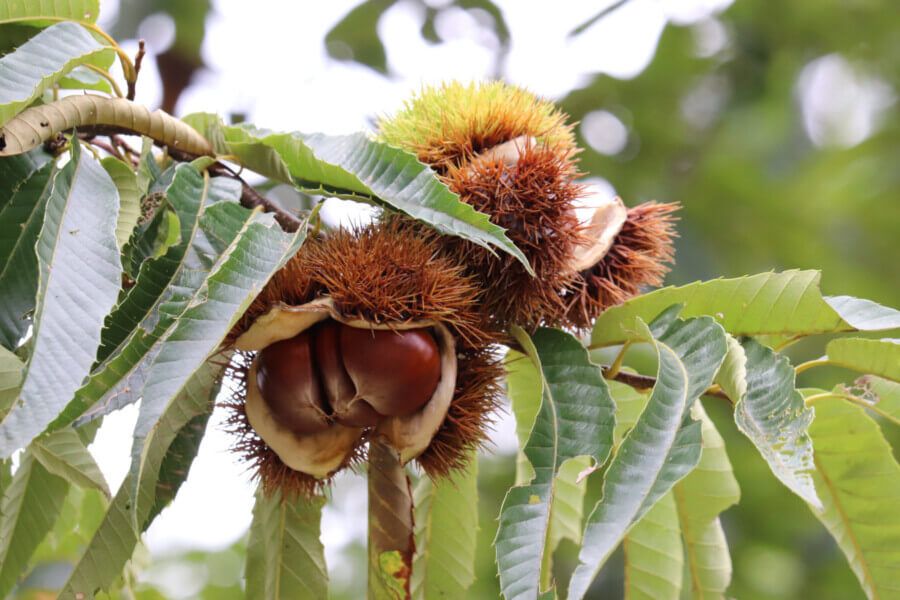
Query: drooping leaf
[
  {"x": 700, "y": 497},
  {"x": 285, "y": 558},
  {"x": 21, "y": 218},
  {"x": 38, "y": 10},
  {"x": 64, "y": 454},
  {"x": 172, "y": 452},
  {"x": 260, "y": 249},
  {"x": 523, "y": 382},
  {"x": 773, "y": 416},
  {"x": 30, "y": 506},
  {"x": 129, "y": 197},
  {"x": 661, "y": 448},
  {"x": 575, "y": 419},
  {"x": 41, "y": 61},
  {"x": 78, "y": 285},
  {"x": 11, "y": 369},
  {"x": 858, "y": 481},
  {"x": 162, "y": 291},
  {"x": 446, "y": 535},
  {"x": 878, "y": 357},
  {"x": 353, "y": 166},
  {"x": 654, "y": 558},
  {"x": 787, "y": 303}
]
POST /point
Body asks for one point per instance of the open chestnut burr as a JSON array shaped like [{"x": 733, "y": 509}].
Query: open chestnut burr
[{"x": 320, "y": 381}]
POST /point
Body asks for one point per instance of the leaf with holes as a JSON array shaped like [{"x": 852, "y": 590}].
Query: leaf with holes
[
  {"x": 446, "y": 535},
  {"x": 575, "y": 418},
  {"x": 78, "y": 285},
  {"x": 773, "y": 416},
  {"x": 285, "y": 558},
  {"x": 785, "y": 304},
  {"x": 661, "y": 448}
]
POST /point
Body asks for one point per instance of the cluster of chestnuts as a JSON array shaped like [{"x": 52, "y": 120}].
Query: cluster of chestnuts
[{"x": 390, "y": 331}]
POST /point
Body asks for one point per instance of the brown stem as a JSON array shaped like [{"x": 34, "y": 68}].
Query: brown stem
[
  {"x": 644, "y": 383},
  {"x": 250, "y": 198},
  {"x": 138, "y": 59},
  {"x": 391, "y": 525}
]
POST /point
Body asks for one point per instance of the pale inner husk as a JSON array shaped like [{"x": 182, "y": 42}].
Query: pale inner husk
[
  {"x": 321, "y": 453},
  {"x": 318, "y": 454},
  {"x": 601, "y": 231}
]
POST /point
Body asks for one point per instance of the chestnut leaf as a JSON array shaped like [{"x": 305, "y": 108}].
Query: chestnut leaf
[
  {"x": 575, "y": 419},
  {"x": 170, "y": 455},
  {"x": 664, "y": 444},
  {"x": 78, "y": 284},
  {"x": 357, "y": 168},
  {"x": 784, "y": 304}
]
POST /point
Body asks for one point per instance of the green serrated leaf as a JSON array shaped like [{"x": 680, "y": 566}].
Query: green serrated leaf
[
  {"x": 858, "y": 481},
  {"x": 355, "y": 167},
  {"x": 130, "y": 193},
  {"x": 143, "y": 317},
  {"x": 260, "y": 249},
  {"x": 654, "y": 559},
  {"x": 446, "y": 535},
  {"x": 878, "y": 357},
  {"x": 285, "y": 558},
  {"x": 30, "y": 506},
  {"x": 11, "y": 369},
  {"x": 40, "y": 62},
  {"x": 172, "y": 452},
  {"x": 661, "y": 448},
  {"x": 38, "y": 10},
  {"x": 575, "y": 419},
  {"x": 787, "y": 303},
  {"x": 21, "y": 217},
  {"x": 65, "y": 455},
  {"x": 700, "y": 497},
  {"x": 773, "y": 416},
  {"x": 78, "y": 285},
  {"x": 524, "y": 390}
]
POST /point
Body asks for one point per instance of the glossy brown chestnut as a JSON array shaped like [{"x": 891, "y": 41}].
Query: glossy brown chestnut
[
  {"x": 394, "y": 371},
  {"x": 290, "y": 386},
  {"x": 347, "y": 408}
]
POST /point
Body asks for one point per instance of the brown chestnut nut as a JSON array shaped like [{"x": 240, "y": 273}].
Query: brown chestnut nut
[
  {"x": 394, "y": 371},
  {"x": 287, "y": 380},
  {"x": 340, "y": 392}
]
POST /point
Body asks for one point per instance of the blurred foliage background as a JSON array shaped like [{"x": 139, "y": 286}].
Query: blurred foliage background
[{"x": 775, "y": 124}]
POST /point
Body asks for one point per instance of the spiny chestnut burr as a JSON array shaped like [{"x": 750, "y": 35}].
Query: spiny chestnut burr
[
  {"x": 398, "y": 352},
  {"x": 511, "y": 155},
  {"x": 354, "y": 376}
]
